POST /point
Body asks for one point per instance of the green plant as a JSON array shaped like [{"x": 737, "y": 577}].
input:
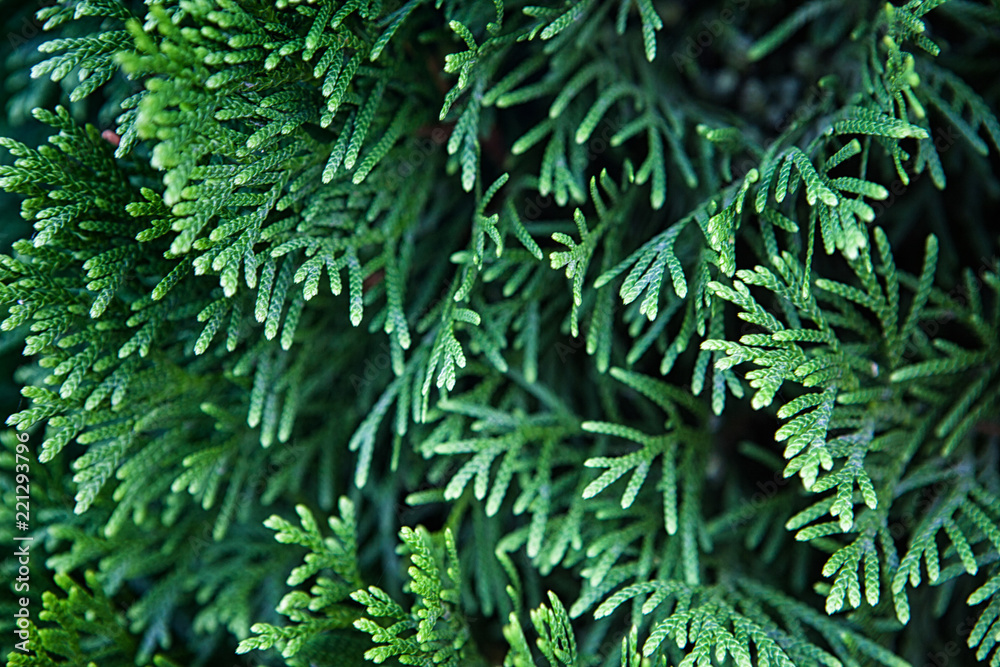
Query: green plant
[{"x": 609, "y": 332}]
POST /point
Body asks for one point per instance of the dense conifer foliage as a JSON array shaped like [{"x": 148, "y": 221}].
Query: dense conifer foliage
[{"x": 466, "y": 332}]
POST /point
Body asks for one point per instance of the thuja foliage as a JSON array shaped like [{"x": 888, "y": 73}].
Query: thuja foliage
[{"x": 578, "y": 334}]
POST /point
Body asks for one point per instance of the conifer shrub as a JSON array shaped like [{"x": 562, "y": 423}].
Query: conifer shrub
[{"x": 462, "y": 333}]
